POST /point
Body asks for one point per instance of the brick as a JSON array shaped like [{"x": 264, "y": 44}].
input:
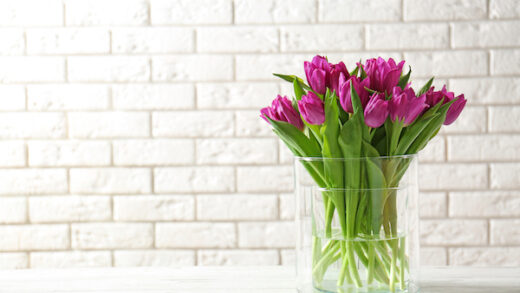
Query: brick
[
  {"x": 448, "y": 63},
  {"x": 504, "y": 62},
  {"x": 288, "y": 257},
  {"x": 237, "y": 39},
  {"x": 110, "y": 180},
  {"x": 154, "y": 258},
  {"x": 285, "y": 155},
  {"x": 31, "y": 69},
  {"x": 262, "y": 67},
  {"x": 356, "y": 11},
  {"x": 235, "y": 95},
  {"x": 103, "y": 12},
  {"x": 34, "y": 237},
  {"x": 152, "y": 40},
  {"x": 324, "y": 37},
  {"x": 486, "y": 34},
  {"x": 12, "y": 153},
  {"x": 69, "y": 153},
  {"x": 505, "y": 176},
  {"x": 275, "y": 11},
  {"x": 419, "y": 36},
  {"x": 192, "y": 124},
  {"x": 191, "y": 12},
  {"x": 238, "y": 257},
  {"x": 153, "y": 97},
  {"x": 485, "y": 256},
  {"x": 13, "y": 210},
  {"x": 108, "y": 124},
  {"x": 433, "y": 205},
  {"x": 265, "y": 179},
  {"x": 42, "y": 41},
  {"x": 188, "y": 68},
  {"x": 433, "y": 256},
  {"x": 471, "y": 120},
  {"x": 71, "y": 259},
  {"x": 194, "y": 179},
  {"x": 269, "y": 234},
  {"x": 32, "y": 125},
  {"x": 504, "y": 9},
  {"x": 237, "y": 207},
  {"x": 500, "y": 119},
  {"x": 287, "y": 206},
  {"x": 505, "y": 232},
  {"x": 111, "y": 235},
  {"x": 249, "y": 123},
  {"x": 59, "y": 97},
  {"x": 16, "y": 13},
  {"x": 13, "y": 260},
  {"x": 236, "y": 151},
  {"x": 12, "y": 41},
  {"x": 483, "y": 147},
  {"x": 195, "y": 235},
  {"x": 12, "y": 97},
  {"x": 108, "y": 68},
  {"x": 445, "y": 10},
  {"x": 486, "y": 90},
  {"x": 154, "y": 208},
  {"x": 68, "y": 208},
  {"x": 453, "y": 232},
  {"x": 154, "y": 152},
  {"x": 485, "y": 204},
  {"x": 434, "y": 150},
  {"x": 33, "y": 181},
  {"x": 452, "y": 176}
]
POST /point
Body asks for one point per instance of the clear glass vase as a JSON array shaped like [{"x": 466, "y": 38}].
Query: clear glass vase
[{"x": 357, "y": 224}]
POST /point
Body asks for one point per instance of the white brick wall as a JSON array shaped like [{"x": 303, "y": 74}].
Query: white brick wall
[{"x": 131, "y": 135}]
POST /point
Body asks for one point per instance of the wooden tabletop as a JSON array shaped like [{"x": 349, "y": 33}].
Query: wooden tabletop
[{"x": 231, "y": 280}]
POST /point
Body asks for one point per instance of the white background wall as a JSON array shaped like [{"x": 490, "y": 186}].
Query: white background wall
[{"x": 130, "y": 132}]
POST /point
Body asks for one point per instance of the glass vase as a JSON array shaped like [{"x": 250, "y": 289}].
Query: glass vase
[{"x": 357, "y": 222}]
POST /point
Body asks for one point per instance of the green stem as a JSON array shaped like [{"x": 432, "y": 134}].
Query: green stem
[
  {"x": 402, "y": 261},
  {"x": 393, "y": 265},
  {"x": 371, "y": 259}
]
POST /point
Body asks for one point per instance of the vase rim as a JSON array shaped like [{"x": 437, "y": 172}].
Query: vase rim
[
  {"x": 333, "y": 189},
  {"x": 410, "y": 156}
]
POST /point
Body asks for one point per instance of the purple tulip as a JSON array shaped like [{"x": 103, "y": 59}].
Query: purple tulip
[
  {"x": 359, "y": 86},
  {"x": 376, "y": 110},
  {"x": 434, "y": 97},
  {"x": 405, "y": 106},
  {"x": 384, "y": 75},
  {"x": 317, "y": 72},
  {"x": 282, "y": 110},
  {"x": 455, "y": 110},
  {"x": 311, "y": 108},
  {"x": 338, "y": 75}
]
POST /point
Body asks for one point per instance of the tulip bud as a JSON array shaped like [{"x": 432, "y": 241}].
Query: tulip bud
[
  {"x": 317, "y": 73},
  {"x": 311, "y": 108},
  {"x": 281, "y": 109},
  {"x": 359, "y": 86},
  {"x": 384, "y": 75},
  {"x": 376, "y": 111},
  {"x": 405, "y": 106},
  {"x": 455, "y": 110},
  {"x": 338, "y": 75}
]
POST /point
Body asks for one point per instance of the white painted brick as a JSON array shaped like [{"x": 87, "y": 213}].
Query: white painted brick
[
  {"x": 505, "y": 232},
  {"x": 262, "y": 67},
  {"x": 418, "y": 36},
  {"x": 238, "y": 257},
  {"x": 237, "y": 207},
  {"x": 34, "y": 237},
  {"x": 287, "y": 206},
  {"x": 504, "y": 9},
  {"x": 108, "y": 68},
  {"x": 17, "y": 13},
  {"x": 454, "y": 232},
  {"x": 154, "y": 258},
  {"x": 505, "y": 62},
  {"x": 111, "y": 235},
  {"x": 108, "y": 124},
  {"x": 235, "y": 95},
  {"x": 485, "y": 256},
  {"x": 483, "y": 147},
  {"x": 486, "y": 34},
  {"x": 154, "y": 208},
  {"x": 13, "y": 260},
  {"x": 152, "y": 40},
  {"x": 485, "y": 204},
  {"x": 237, "y": 39},
  {"x": 433, "y": 205},
  {"x": 192, "y": 68},
  {"x": 285, "y": 155},
  {"x": 110, "y": 180},
  {"x": 12, "y": 41},
  {"x": 106, "y": 12},
  {"x": 445, "y": 9},
  {"x": 447, "y": 63},
  {"x": 69, "y": 153},
  {"x": 13, "y": 210},
  {"x": 505, "y": 176},
  {"x": 434, "y": 150},
  {"x": 192, "y": 124},
  {"x": 195, "y": 235},
  {"x": 194, "y": 179},
  {"x": 486, "y": 90},
  {"x": 33, "y": 181},
  {"x": 67, "y": 97},
  {"x": 501, "y": 119},
  {"x": 191, "y": 12},
  {"x": 67, "y": 41},
  {"x": 355, "y": 11},
  {"x": 12, "y": 97},
  {"x": 433, "y": 256},
  {"x": 275, "y": 11},
  {"x": 288, "y": 257},
  {"x": 69, "y": 208},
  {"x": 154, "y": 152},
  {"x": 249, "y": 123},
  {"x": 267, "y": 234},
  {"x": 12, "y": 153},
  {"x": 471, "y": 120},
  {"x": 265, "y": 179},
  {"x": 321, "y": 38},
  {"x": 153, "y": 97},
  {"x": 31, "y": 69},
  {"x": 32, "y": 125},
  {"x": 71, "y": 259},
  {"x": 236, "y": 151},
  {"x": 452, "y": 176}
]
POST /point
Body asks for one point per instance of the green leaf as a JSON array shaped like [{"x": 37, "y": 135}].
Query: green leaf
[
  {"x": 295, "y": 139},
  {"x": 404, "y": 79},
  {"x": 426, "y": 87},
  {"x": 412, "y": 133},
  {"x": 376, "y": 184},
  {"x": 291, "y": 78},
  {"x": 356, "y": 70},
  {"x": 298, "y": 90},
  {"x": 356, "y": 102}
]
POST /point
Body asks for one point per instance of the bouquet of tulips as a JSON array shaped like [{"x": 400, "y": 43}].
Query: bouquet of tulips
[{"x": 371, "y": 111}]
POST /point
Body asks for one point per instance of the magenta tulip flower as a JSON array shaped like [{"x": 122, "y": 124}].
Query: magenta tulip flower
[
  {"x": 376, "y": 111},
  {"x": 281, "y": 109},
  {"x": 311, "y": 108},
  {"x": 338, "y": 75},
  {"x": 359, "y": 86},
  {"x": 434, "y": 97},
  {"x": 405, "y": 106},
  {"x": 384, "y": 75},
  {"x": 317, "y": 73},
  {"x": 455, "y": 110}
]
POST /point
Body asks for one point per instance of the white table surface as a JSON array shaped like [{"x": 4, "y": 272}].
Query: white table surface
[{"x": 231, "y": 280}]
